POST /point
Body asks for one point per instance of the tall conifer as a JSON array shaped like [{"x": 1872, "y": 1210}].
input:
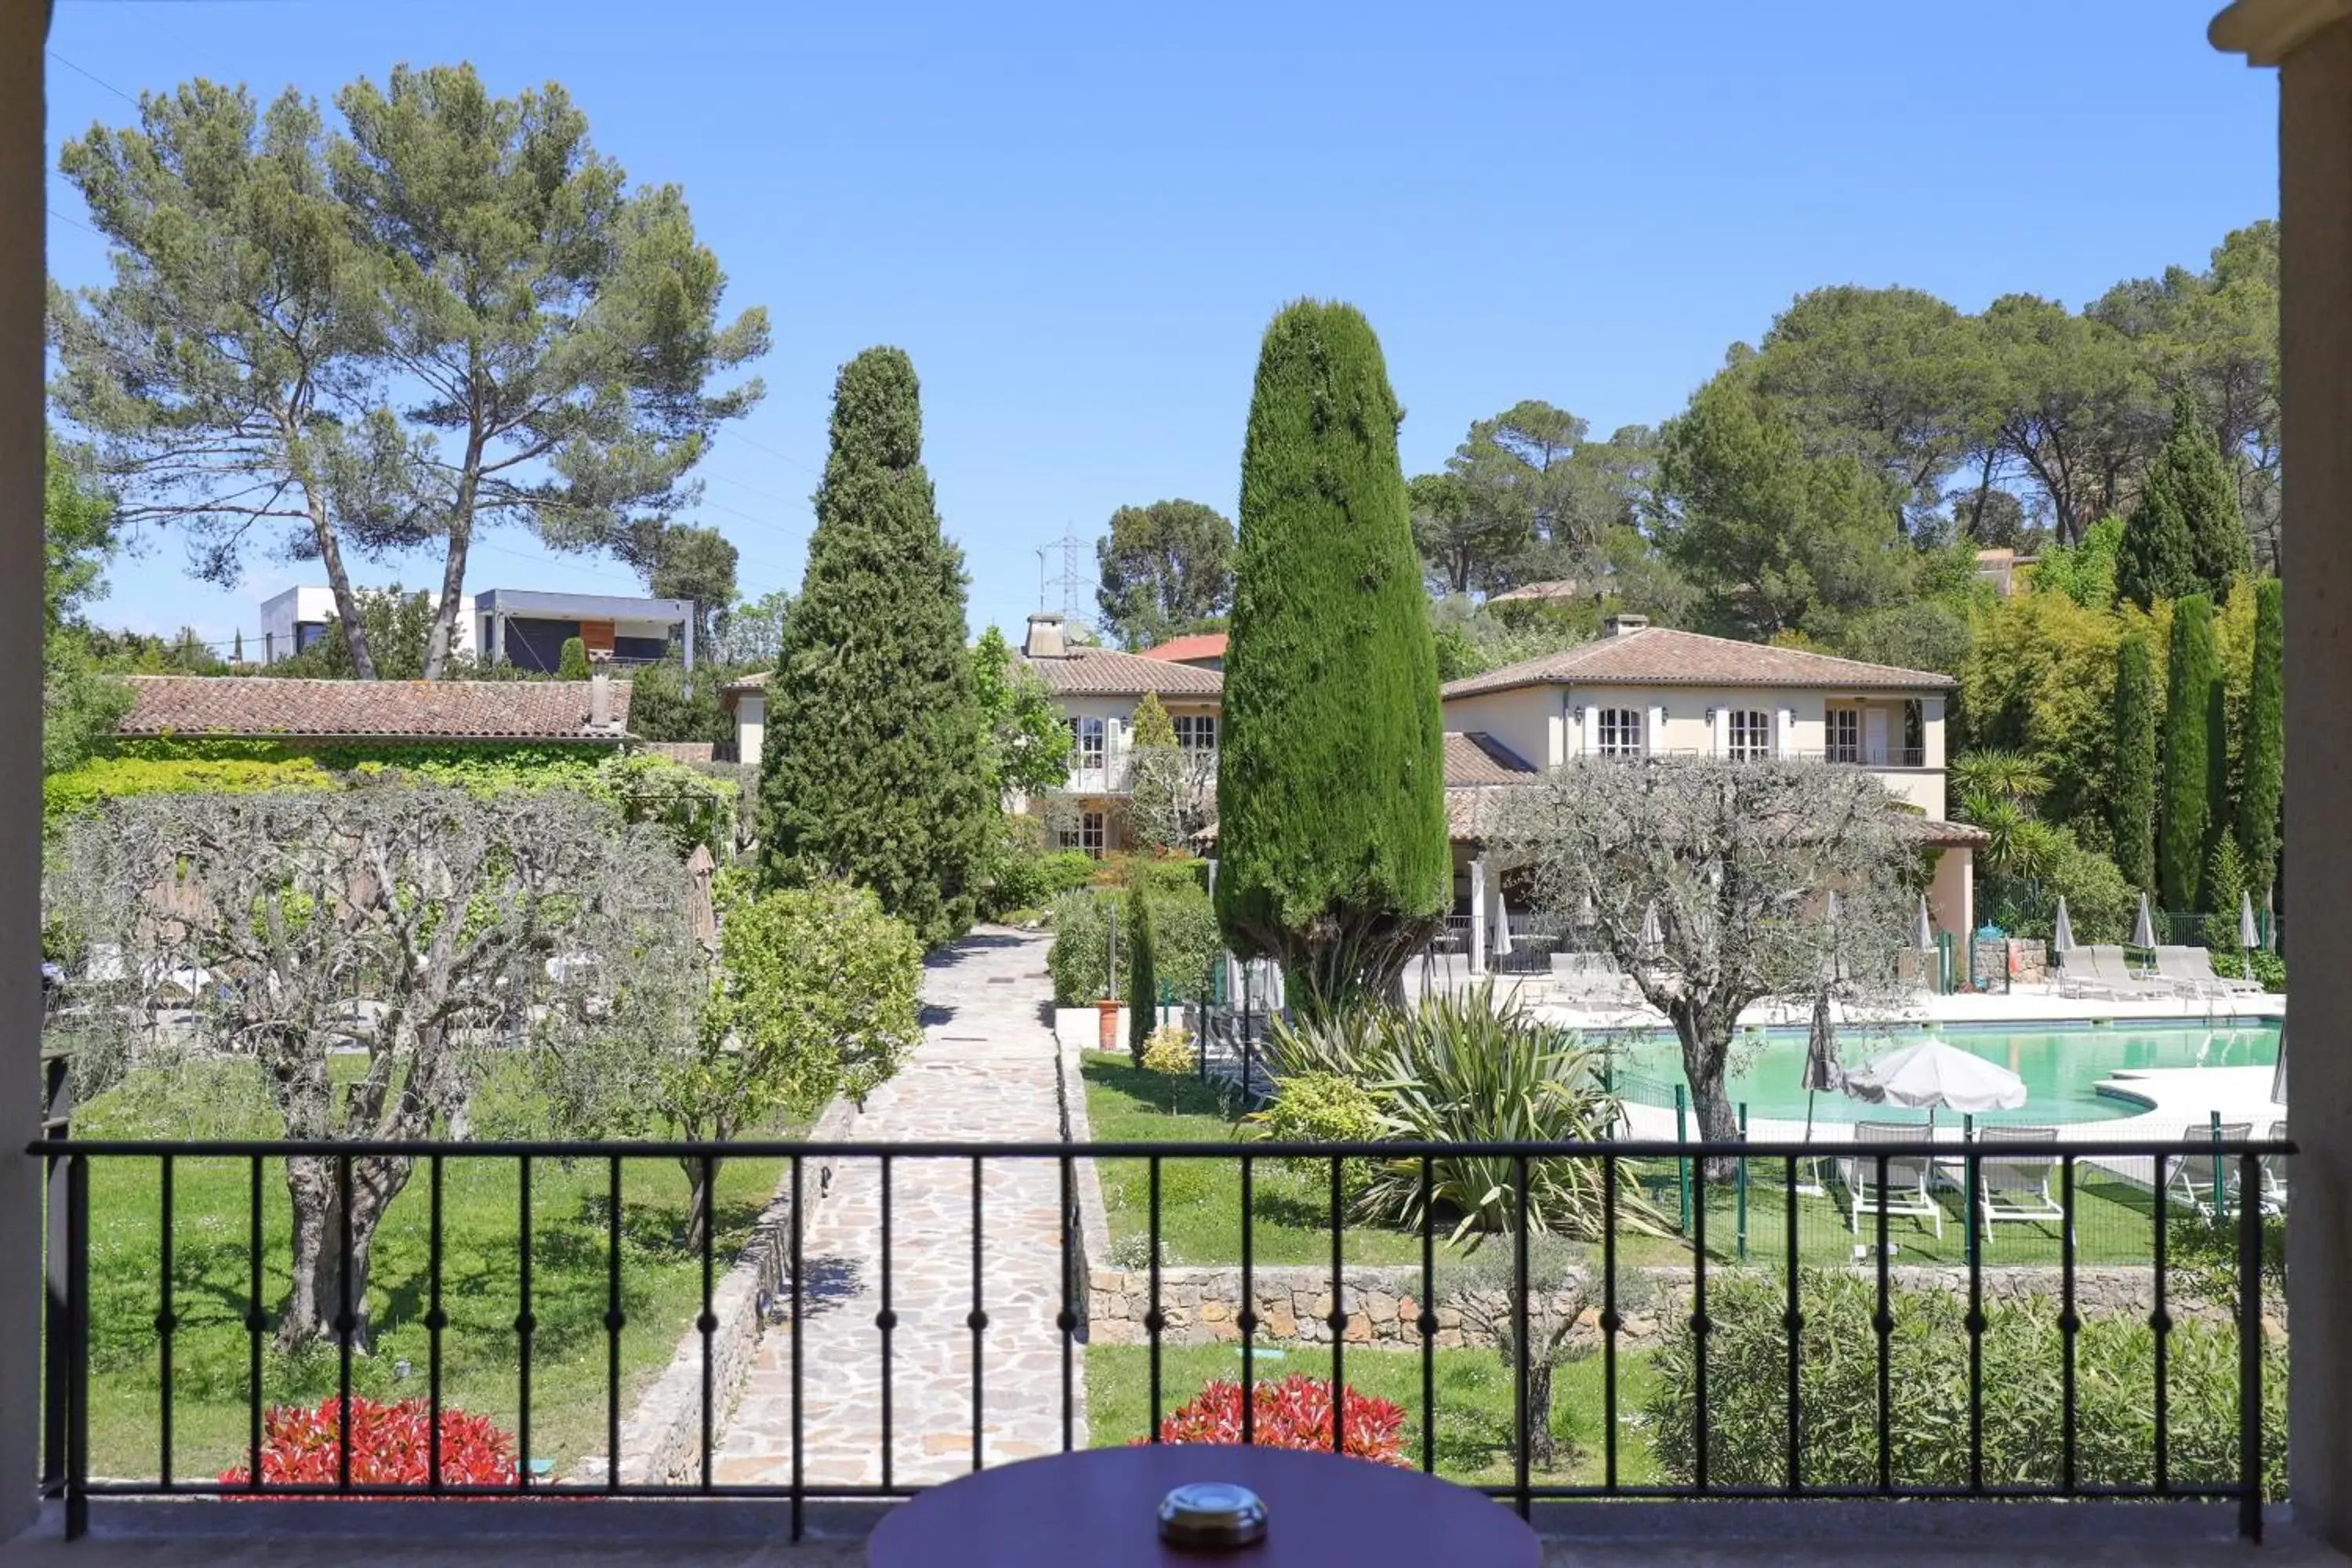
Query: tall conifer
[
  {"x": 2261, "y": 773},
  {"x": 872, "y": 766},
  {"x": 1333, "y": 854},
  {"x": 2188, "y": 787},
  {"x": 2132, "y": 783}
]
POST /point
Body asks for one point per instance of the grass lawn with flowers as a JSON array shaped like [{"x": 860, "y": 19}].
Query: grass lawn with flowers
[
  {"x": 211, "y": 1283},
  {"x": 1476, "y": 1399}
]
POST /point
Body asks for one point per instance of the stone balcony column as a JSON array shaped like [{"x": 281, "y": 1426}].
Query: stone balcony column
[
  {"x": 2311, "y": 43},
  {"x": 23, "y": 28}
]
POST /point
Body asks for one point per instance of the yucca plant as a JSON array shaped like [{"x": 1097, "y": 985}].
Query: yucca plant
[{"x": 1469, "y": 1068}]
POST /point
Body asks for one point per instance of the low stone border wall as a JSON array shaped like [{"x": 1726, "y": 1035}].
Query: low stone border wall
[
  {"x": 661, "y": 1439},
  {"x": 1202, "y": 1306}
]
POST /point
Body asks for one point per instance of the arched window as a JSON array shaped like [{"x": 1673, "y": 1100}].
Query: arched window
[
  {"x": 1621, "y": 732},
  {"x": 1751, "y": 735}
]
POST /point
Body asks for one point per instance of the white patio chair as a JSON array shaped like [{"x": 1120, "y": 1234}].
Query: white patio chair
[
  {"x": 2017, "y": 1186},
  {"x": 2275, "y": 1172},
  {"x": 1908, "y": 1177}
]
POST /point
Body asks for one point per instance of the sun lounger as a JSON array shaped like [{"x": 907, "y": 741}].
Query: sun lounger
[
  {"x": 2195, "y": 1178},
  {"x": 2193, "y": 967},
  {"x": 2015, "y": 1183},
  {"x": 1905, "y": 1190},
  {"x": 2114, "y": 971}
]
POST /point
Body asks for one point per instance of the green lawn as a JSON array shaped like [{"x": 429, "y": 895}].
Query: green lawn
[
  {"x": 1200, "y": 1201},
  {"x": 661, "y": 1289},
  {"x": 1475, "y": 1395}
]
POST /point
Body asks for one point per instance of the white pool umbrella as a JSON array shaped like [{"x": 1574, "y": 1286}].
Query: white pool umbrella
[
  {"x": 2143, "y": 927},
  {"x": 1935, "y": 1074},
  {"x": 1502, "y": 927},
  {"x": 1824, "y": 1072},
  {"x": 1926, "y": 933},
  {"x": 2249, "y": 938},
  {"x": 2061, "y": 929},
  {"x": 1653, "y": 936},
  {"x": 2278, "y": 1073}
]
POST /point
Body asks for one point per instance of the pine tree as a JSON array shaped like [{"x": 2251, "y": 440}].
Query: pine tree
[
  {"x": 237, "y": 651},
  {"x": 2132, "y": 777},
  {"x": 2263, "y": 748},
  {"x": 1142, "y": 972},
  {"x": 1331, "y": 816},
  {"x": 2189, "y": 535},
  {"x": 872, "y": 767},
  {"x": 2188, "y": 682}
]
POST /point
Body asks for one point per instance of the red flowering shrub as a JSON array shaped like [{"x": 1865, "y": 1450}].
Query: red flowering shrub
[
  {"x": 391, "y": 1446},
  {"x": 1294, "y": 1413}
]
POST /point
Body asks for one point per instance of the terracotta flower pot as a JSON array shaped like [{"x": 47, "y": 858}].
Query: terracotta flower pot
[{"x": 1107, "y": 1024}]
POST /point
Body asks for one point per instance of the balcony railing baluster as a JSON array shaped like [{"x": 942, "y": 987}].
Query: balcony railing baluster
[
  {"x": 256, "y": 1322},
  {"x": 613, "y": 1319},
  {"x": 1340, "y": 1315},
  {"x": 525, "y": 1327},
  {"x": 2249, "y": 1346},
  {"x": 165, "y": 1322},
  {"x": 1425, "y": 1320}
]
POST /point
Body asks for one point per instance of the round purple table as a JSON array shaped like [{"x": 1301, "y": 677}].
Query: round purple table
[{"x": 1100, "y": 1509}]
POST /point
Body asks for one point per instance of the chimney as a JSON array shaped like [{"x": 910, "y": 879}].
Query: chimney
[
  {"x": 1624, "y": 626},
  {"x": 1044, "y": 638},
  {"x": 600, "y": 702}
]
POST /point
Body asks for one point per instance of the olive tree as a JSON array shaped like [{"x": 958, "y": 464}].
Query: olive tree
[
  {"x": 430, "y": 928},
  {"x": 1709, "y": 884}
]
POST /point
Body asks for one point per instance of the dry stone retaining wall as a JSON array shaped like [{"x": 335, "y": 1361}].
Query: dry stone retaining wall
[{"x": 1202, "y": 1306}]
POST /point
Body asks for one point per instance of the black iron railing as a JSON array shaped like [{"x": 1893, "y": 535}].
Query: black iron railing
[{"x": 2245, "y": 1189}]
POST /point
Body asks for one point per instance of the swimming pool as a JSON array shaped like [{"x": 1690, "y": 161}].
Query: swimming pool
[{"x": 2062, "y": 1065}]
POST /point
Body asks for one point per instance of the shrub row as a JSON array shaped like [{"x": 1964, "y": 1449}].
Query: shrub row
[{"x": 1747, "y": 1372}]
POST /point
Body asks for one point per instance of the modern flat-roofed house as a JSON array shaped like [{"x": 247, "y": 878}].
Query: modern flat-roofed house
[
  {"x": 1641, "y": 691},
  {"x": 1099, "y": 689},
  {"x": 521, "y": 626},
  {"x": 746, "y": 701}
]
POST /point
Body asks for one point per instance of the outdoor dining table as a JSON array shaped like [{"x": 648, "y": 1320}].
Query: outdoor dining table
[{"x": 1099, "y": 1509}]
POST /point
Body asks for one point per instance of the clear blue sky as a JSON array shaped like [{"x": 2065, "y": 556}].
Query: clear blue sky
[{"x": 1078, "y": 217}]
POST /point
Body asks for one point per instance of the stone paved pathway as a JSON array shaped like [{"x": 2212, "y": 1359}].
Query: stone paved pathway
[{"x": 985, "y": 1071}]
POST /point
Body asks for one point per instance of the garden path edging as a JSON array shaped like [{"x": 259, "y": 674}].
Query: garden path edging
[{"x": 661, "y": 1438}]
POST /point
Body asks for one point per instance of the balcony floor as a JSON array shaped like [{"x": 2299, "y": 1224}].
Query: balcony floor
[{"x": 735, "y": 1535}]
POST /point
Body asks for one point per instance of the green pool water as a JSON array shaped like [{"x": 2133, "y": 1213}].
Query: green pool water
[{"x": 2061, "y": 1067}]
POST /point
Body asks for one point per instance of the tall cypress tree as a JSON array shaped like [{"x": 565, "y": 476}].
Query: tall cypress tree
[
  {"x": 872, "y": 766},
  {"x": 2262, "y": 771},
  {"x": 2188, "y": 789},
  {"x": 1330, "y": 790},
  {"x": 1142, "y": 974},
  {"x": 2132, "y": 777}
]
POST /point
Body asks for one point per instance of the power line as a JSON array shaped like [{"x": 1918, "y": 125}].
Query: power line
[
  {"x": 780, "y": 456},
  {"x": 94, "y": 77}
]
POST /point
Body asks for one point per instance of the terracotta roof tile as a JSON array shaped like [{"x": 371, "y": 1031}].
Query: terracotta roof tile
[
  {"x": 1477, "y": 758},
  {"x": 1197, "y": 645},
  {"x": 1660, "y": 656},
  {"x": 262, "y": 707},
  {"x": 1101, "y": 672}
]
